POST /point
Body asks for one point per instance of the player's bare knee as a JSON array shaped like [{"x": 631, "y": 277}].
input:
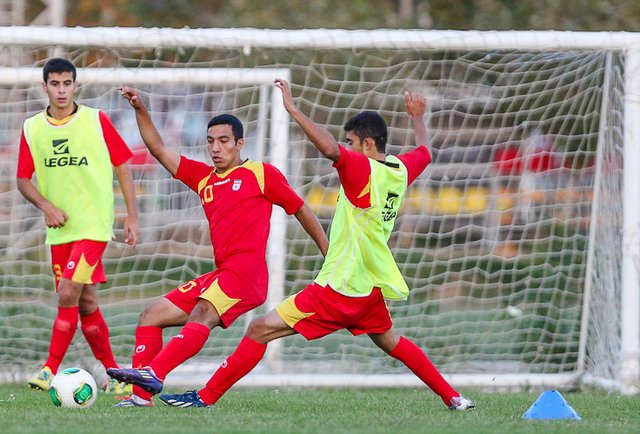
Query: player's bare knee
[
  {"x": 67, "y": 299},
  {"x": 146, "y": 318},
  {"x": 386, "y": 341},
  {"x": 205, "y": 313},
  {"x": 69, "y": 293},
  {"x": 87, "y": 305},
  {"x": 259, "y": 330}
]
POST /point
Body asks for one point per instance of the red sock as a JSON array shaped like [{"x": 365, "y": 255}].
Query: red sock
[
  {"x": 148, "y": 345},
  {"x": 96, "y": 333},
  {"x": 64, "y": 327},
  {"x": 416, "y": 360},
  {"x": 184, "y": 345},
  {"x": 240, "y": 363}
]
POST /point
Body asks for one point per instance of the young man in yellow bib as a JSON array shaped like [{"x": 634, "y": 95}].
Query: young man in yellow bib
[
  {"x": 359, "y": 271},
  {"x": 74, "y": 150}
]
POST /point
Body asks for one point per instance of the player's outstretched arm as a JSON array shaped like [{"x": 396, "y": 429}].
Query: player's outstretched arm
[
  {"x": 321, "y": 138},
  {"x": 416, "y": 106},
  {"x": 131, "y": 227},
  {"x": 312, "y": 226},
  {"x": 152, "y": 140}
]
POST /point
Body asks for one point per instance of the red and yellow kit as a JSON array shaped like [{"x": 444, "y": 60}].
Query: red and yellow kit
[
  {"x": 70, "y": 154},
  {"x": 318, "y": 309},
  {"x": 238, "y": 205}
]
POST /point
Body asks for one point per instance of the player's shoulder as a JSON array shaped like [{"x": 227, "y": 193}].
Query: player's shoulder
[
  {"x": 34, "y": 116},
  {"x": 266, "y": 173},
  {"x": 194, "y": 165},
  {"x": 349, "y": 155},
  {"x": 421, "y": 151},
  {"x": 83, "y": 108},
  {"x": 269, "y": 166},
  {"x": 261, "y": 167}
]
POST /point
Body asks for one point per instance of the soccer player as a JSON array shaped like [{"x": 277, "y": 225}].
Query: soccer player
[
  {"x": 238, "y": 197},
  {"x": 359, "y": 271},
  {"x": 73, "y": 150}
]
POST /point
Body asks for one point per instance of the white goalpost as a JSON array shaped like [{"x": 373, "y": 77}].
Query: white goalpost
[{"x": 519, "y": 242}]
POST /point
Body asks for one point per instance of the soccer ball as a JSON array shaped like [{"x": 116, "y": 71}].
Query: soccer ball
[{"x": 73, "y": 387}]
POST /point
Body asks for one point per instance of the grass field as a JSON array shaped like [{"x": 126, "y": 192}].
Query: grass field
[{"x": 322, "y": 411}]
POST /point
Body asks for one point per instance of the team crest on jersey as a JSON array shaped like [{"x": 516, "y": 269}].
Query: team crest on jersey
[{"x": 236, "y": 184}]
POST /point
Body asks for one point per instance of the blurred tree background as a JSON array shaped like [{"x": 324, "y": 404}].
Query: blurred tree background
[{"x": 586, "y": 15}]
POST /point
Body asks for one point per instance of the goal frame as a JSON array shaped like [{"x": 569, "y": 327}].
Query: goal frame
[{"x": 628, "y": 380}]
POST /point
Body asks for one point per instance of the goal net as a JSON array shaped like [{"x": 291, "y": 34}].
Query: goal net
[{"x": 518, "y": 247}]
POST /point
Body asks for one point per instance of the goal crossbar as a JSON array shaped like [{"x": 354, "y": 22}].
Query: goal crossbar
[{"x": 247, "y": 38}]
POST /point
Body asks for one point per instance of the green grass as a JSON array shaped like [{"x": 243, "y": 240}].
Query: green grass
[{"x": 320, "y": 411}]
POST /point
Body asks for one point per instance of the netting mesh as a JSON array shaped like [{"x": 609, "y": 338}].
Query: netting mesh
[{"x": 493, "y": 238}]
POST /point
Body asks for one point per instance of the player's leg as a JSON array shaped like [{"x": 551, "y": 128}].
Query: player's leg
[
  {"x": 189, "y": 341},
  {"x": 66, "y": 321},
  {"x": 160, "y": 314},
  {"x": 153, "y": 319},
  {"x": 417, "y": 361},
  {"x": 84, "y": 265},
  {"x": 96, "y": 332},
  {"x": 95, "y": 328},
  {"x": 81, "y": 270},
  {"x": 246, "y": 356},
  {"x": 62, "y": 332}
]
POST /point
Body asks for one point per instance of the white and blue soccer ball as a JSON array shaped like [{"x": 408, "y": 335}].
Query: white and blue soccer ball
[{"x": 74, "y": 388}]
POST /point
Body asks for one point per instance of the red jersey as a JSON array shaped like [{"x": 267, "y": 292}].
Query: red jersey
[
  {"x": 354, "y": 172},
  {"x": 119, "y": 152},
  {"x": 238, "y": 205}
]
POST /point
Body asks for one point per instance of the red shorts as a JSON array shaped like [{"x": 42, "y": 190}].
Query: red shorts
[
  {"x": 317, "y": 311},
  {"x": 231, "y": 293},
  {"x": 80, "y": 261}
]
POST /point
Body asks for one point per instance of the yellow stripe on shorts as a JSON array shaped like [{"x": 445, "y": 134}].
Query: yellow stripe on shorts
[
  {"x": 221, "y": 301},
  {"x": 290, "y": 313},
  {"x": 83, "y": 271}
]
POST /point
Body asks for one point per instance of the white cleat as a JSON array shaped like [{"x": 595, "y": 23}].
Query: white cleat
[{"x": 461, "y": 403}]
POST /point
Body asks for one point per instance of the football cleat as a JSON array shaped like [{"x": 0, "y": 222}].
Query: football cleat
[
  {"x": 116, "y": 387},
  {"x": 189, "y": 398},
  {"x": 134, "y": 401},
  {"x": 144, "y": 378},
  {"x": 42, "y": 380},
  {"x": 461, "y": 403}
]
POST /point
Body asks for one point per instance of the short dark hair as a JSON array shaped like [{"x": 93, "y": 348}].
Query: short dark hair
[
  {"x": 57, "y": 65},
  {"x": 369, "y": 124},
  {"x": 226, "y": 119}
]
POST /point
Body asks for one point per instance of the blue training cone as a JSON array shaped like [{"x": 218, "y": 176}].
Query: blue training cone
[{"x": 551, "y": 405}]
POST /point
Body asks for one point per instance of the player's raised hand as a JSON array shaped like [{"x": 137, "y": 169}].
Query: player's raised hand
[
  {"x": 415, "y": 103},
  {"x": 133, "y": 96},
  {"x": 287, "y": 97}
]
